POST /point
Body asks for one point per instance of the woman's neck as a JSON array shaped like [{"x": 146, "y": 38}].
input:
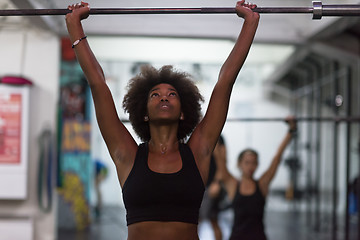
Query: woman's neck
[
  {"x": 163, "y": 142},
  {"x": 247, "y": 179},
  {"x": 163, "y": 139}
]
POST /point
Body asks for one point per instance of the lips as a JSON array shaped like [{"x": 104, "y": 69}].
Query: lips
[{"x": 164, "y": 105}]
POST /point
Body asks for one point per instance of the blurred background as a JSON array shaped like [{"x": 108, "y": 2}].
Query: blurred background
[{"x": 57, "y": 180}]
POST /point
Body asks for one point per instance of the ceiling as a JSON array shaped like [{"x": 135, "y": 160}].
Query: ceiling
[{"x": 273, "y": 28}]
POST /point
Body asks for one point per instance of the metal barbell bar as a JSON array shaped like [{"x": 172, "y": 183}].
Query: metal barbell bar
[
  {"x": 352, "y": 119},
  {"x": 318, "y": 10},
  {"x": 299, "y": 119}
]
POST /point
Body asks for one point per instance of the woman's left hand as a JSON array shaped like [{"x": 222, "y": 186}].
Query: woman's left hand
[
  {"x": 292, "y": 123},
  {"x": 80, "y": 11}
]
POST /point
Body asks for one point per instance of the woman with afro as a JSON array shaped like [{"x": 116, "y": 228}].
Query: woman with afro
[{"x": 163, "y": 178}]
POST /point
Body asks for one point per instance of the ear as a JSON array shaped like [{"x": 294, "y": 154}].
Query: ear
[{"x": 146, "y": 118}]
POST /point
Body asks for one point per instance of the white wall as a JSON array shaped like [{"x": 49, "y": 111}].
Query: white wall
[{"x": 33, "y": 54}]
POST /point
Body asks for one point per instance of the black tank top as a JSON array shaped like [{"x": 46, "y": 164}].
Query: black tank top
[
  {"x": 248, "y": 216},
  {"x": 152, "y": 196}
]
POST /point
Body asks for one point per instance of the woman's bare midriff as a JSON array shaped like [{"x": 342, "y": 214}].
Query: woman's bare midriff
[{"x": 154, "y": 230}]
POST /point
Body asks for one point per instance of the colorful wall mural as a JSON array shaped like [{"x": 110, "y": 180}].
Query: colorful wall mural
[{"x": 75, "y": 167}]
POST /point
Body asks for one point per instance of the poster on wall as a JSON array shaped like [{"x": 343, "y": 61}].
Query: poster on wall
[
  {"x": 14, "y": 119},
  {"x": 10, "y": 127}
]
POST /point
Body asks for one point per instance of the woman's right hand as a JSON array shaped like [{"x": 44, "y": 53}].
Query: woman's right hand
[
  {"x": 79, "y": 12},
  {"x": 245, "y": 10}
]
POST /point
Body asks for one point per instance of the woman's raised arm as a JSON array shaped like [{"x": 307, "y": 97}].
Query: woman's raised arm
[
  {"x": 209, "y": 129},
  {"x": 269, "y": 174},
  {"x": 222, "y": 173},
  {"x": 116, "y": 136}
]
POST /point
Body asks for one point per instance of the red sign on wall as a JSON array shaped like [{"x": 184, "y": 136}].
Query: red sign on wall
[{"x": 10, "y": 128}]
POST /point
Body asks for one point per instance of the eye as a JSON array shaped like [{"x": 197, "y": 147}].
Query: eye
[
  {"x": 154, "y": 94},
  {"x": 172, "y": 94}
]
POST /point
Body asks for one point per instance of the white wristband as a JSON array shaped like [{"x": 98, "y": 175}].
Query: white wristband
[{"x": 78, "y": 41}]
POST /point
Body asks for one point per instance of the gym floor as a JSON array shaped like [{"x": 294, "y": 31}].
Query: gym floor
[{"x": 280, "y": 225}]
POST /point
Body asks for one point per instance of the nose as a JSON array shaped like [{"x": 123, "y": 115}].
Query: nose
[{"x": 164, "y": 99}]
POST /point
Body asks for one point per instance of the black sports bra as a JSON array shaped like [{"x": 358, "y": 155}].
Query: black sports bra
[{"x": 152, "y": 196}]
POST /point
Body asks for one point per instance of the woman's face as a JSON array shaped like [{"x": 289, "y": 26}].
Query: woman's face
[
  {"x": 163, "y": 103},
  {"x": 248, "y": 164}
]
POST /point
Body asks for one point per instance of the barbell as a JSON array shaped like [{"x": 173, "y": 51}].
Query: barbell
[
  {"x": 344, "y": 119},
  {"x": 318, "y": 10},
  {"x": 350, "y": 119}
]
